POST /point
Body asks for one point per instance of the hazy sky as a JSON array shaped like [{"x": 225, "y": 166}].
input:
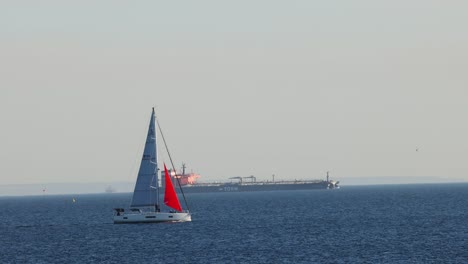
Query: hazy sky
[{"x": 291, "y": 88}]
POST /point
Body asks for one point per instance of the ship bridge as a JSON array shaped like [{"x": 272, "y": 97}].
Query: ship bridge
[
  {"x": 252, "y": 178},
  {"x": 236, "y": 178}
]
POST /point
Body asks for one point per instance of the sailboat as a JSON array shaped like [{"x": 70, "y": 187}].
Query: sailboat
[{"x": 145, "y": 206}]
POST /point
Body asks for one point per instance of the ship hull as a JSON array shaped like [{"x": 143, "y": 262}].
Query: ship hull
[{"x": 229, "y": 187}]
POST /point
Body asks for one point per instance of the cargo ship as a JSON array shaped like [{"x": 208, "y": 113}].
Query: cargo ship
[{"x": 189, "y": 184}]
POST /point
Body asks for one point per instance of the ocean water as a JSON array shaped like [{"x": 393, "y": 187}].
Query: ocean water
[{"x": 366, "y": 224}]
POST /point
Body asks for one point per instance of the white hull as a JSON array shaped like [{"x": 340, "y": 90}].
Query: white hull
[{"x": 151, "y": 217}]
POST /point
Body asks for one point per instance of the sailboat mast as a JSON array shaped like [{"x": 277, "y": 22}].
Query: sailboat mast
[
  {"x": 158, "y": 206},
  {"x": 172, "y": 163}
]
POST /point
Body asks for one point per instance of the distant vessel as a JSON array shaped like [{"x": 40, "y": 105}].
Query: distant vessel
[
  {"x": 110, "y": 189},
  {"x": 249, "y": 184},
  {"x": 145, "y": 206}
]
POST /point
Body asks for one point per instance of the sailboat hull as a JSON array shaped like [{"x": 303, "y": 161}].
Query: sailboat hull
[{"x": 151, "y": 217}]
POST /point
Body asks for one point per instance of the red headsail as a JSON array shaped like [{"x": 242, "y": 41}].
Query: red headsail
[{"x": 170, "y": 196}]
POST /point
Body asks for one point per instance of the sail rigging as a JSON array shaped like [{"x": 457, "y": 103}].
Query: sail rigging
[{"x": 172, "y": 163}]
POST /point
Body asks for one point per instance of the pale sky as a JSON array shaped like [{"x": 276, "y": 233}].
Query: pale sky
[{"x": 291, "y": 88}]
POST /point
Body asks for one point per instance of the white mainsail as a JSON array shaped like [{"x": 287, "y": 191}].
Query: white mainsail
[{"x": 146, "y": 187}]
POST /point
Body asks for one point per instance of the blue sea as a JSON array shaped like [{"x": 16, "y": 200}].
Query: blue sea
[{"x": 358, "y": 224}]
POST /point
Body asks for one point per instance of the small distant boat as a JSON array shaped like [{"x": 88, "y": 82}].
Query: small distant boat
[
  {"x": 110, "y": 189},
  {"x": 145, "y": 206}
]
